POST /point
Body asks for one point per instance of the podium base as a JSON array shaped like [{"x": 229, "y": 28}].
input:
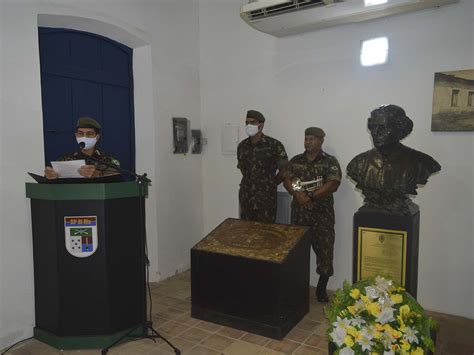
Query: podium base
[{"x": 84, "y": 342}]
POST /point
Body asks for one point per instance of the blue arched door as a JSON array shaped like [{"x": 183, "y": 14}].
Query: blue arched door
[{"x": 83, "y": 74}]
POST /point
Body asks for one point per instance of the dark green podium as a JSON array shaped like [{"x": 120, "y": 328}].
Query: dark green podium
[{"x": 89, "y": 267}]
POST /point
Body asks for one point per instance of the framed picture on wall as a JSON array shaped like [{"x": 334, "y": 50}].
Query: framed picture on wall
[{"x": 453, "y": 101}]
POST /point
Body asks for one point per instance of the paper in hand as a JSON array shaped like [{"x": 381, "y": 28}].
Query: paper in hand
[{"x": 68, "y": 169}]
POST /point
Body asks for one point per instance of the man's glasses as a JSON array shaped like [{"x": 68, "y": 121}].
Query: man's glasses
[{"x": 90, "y": 134}]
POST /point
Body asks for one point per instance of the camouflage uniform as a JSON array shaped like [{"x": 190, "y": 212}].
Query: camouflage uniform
[
  {"x": 321, "y": 216},
  {"x": 104, "y": 169},
  {"x": 258, "y": 189}
]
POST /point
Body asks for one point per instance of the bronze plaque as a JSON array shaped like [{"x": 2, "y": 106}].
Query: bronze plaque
[
  {"x": 382, "y": 252},
  {"x": 261, "y": 241}
]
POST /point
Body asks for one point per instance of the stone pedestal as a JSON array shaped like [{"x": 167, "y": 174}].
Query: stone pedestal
[{"x": 387, "y": 245}]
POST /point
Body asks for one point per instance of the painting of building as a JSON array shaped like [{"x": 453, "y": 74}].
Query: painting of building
[{"x": 453, "y": 101}]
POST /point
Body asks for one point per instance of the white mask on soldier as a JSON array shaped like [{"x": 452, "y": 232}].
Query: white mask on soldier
[
  {"x": 251, "y": 130},
  {"x": 89, "y": 142}
]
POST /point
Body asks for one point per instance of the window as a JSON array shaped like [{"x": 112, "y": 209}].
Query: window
[
  {"x": 374, "y": 51},
  {"x": 470, "y": 98},
  {"x": 454, "y": 98},
  {"x": 374, "y": 2}
]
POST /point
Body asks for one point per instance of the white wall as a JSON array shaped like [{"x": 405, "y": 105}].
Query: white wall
[
  {"x": 203, "y": 60},
  {"x": 165, "y": 37},
  {"x": 315, "y": 79}
]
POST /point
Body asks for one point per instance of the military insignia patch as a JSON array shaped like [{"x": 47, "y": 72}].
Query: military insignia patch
[{"x": 80, "y": 235}]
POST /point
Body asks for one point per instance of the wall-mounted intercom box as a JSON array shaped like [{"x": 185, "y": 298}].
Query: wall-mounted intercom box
[{"x": 181, "y": 135}]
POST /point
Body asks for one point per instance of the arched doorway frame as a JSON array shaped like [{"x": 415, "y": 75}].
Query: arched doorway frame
[{"x": 143, "y": 103}]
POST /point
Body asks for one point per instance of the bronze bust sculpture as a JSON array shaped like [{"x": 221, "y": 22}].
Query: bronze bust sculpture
[{"x": 390, "y": 172}]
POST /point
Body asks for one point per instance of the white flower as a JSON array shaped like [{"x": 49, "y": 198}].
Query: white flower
[
  {"x": 385, "y": 301},
  {"x": 410, "y": 335},
  {"x": 385, "y": 316},
  {"x": 365, "y": 341},
  {"x": 383, "y": 283},
  {"x": 357, "y": 322},
  {"x": 371, "y": 292},
  {"x": 388, "y": 352},
  {"x": 338, "y": 335},
  {"x": 341, "y": 323},
  {"x": 369, "y": 331},
  {"x": 359, "y": 305},
  {"x": 386, "y": 341},
  {"x": 346, "y": 351}
]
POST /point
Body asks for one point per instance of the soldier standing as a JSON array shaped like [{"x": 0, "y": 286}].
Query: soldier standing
[
  {"x": 316, "y": 208},
  {"x": 259, "y": 158}
]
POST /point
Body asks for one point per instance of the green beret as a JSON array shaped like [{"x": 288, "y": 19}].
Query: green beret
[
  {"x": 87, "y": 122},
  {"x": 314, "y": 131},
  {"x": 256, "y": 115}
]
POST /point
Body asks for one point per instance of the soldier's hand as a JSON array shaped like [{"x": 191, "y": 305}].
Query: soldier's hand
[
  {"x": 302, "y": 198},
  {"x": 87, "y": 171},
  {"x": 50, "y": 173}
]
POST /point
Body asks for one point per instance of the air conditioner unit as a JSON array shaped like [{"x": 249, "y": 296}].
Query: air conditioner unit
[{"x": 287, "y": 17}]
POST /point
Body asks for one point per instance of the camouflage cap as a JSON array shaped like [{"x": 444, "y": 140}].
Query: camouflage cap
[
  {"x": 88, "y": 122},
  {"x": 256, "y": 115},
  {"x": 314, "y": 131}
]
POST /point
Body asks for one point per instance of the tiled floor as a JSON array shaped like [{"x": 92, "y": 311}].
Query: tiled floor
[{"x": 171, "y": 317}]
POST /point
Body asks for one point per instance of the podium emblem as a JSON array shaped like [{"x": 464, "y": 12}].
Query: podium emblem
[{"x": 80, "y": 235}]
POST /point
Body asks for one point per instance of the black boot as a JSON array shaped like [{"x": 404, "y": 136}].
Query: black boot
[{"x": 321, "y": 294}]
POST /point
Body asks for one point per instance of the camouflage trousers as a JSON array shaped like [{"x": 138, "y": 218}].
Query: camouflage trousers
[
  {"x": 257, "y": 205},
  {"x": 263, "y": 215},
  {"x": 322, "y": 242}
]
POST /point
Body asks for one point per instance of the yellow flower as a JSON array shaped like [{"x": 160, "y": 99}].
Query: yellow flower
[
  {"x": 352, "y": 331},
  {"x": 377, "y": 335},
  {"x": 343, "y": 313},
  {"x": 417, "y": 351},
  {"x": 405, "y": 311},
  {"x": 379, "y": 327},
  {"x": 355, "y": 293},
  {"x": 397, "y": 298},
  {"x": 373, "y": 308},
  {"x": 405, "y": 345},
  {"x": 348, "y": 341},
  {"x": 395, "y": 334},
  {"x": 364, "y": 298},
  {"x": 403, "y": 328},
  {"x": 352, "y": 310}
]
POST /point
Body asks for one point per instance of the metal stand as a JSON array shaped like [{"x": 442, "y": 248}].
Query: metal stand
[
  {"x": 147, "y": 328},
  {"x": 148, "y": 332}
]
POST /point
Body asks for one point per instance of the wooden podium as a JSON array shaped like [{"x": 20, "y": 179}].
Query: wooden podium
[
  {"x": 252, "y": 276},
  {"x": 89, "y": 268}
]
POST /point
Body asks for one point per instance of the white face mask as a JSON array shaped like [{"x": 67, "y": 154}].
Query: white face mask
[
  {"x": 89, "y": 142},
  {"x": 251, "y": 130}
]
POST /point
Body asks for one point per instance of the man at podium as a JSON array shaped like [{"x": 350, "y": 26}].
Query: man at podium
[{"x": 87, "y": 135}]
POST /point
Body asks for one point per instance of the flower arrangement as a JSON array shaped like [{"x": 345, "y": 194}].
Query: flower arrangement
[{"x": 376, "y": 316}]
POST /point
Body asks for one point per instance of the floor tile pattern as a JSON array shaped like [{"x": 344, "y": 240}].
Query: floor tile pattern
[{"x": 171, "y": 309}]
